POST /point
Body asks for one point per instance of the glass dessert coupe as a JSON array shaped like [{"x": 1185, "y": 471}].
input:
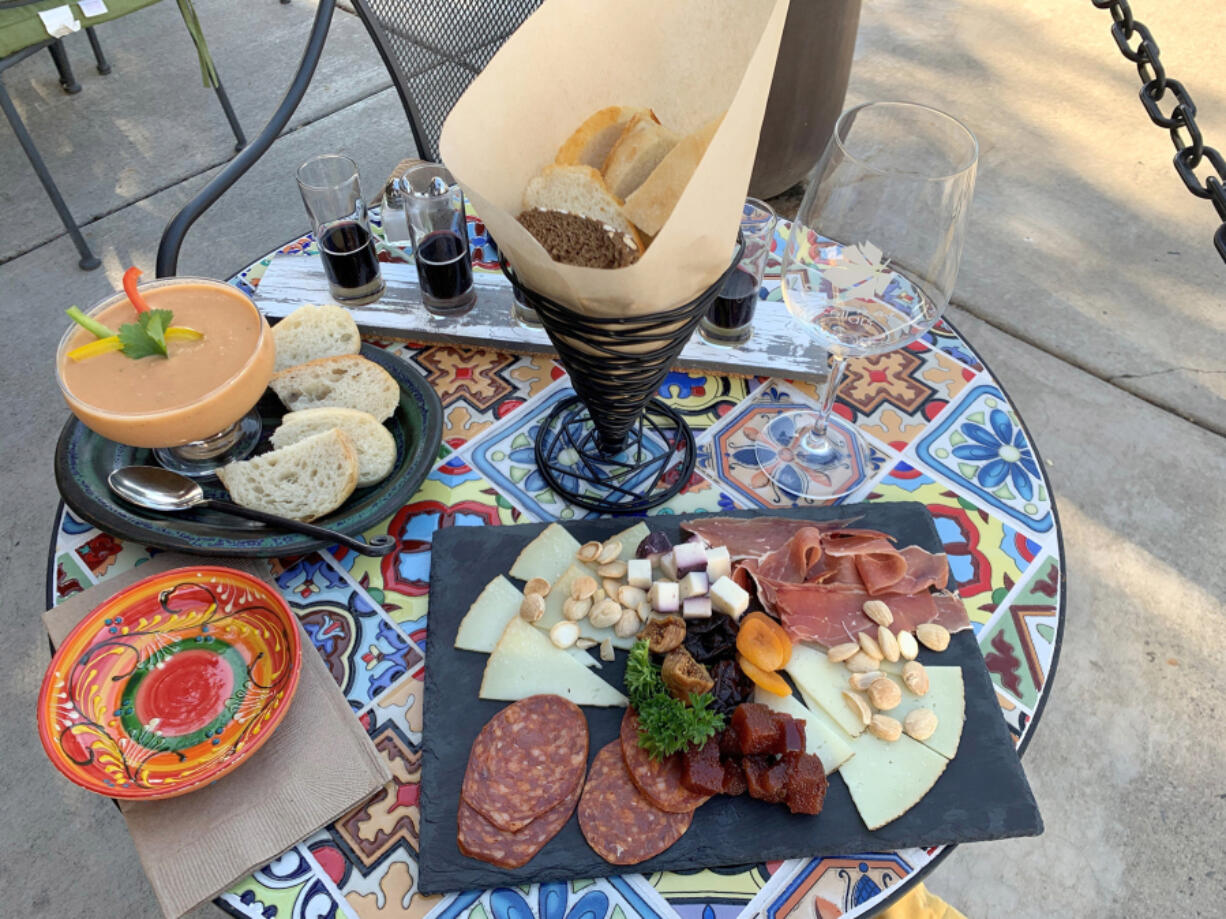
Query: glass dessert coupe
[{"x": 195, "y": 407}]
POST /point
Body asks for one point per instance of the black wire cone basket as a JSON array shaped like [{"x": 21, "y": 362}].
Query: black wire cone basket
[{"x": 613, "y": 447}]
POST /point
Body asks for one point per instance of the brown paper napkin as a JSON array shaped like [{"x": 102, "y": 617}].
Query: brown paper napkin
[{"x": 317, "y": 765}]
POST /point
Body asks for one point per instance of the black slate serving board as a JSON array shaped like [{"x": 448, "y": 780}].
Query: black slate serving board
[{"x": 982, "y": 795}]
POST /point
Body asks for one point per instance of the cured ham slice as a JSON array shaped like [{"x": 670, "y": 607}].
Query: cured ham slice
[
  {"x": 924, "y": 570},
  {"x": 753, "y": 537},
  {"x": 791, "y": 561},
  {"x": 831, "y": 614},
  {"x": 878, "y": 563}
]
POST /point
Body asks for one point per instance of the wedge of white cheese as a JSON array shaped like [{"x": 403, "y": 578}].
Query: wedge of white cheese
[
  {"x": 822, "y": 682},
  {"x": 822, "y": 736},
  {"x": 547, "y": 556},
  {"x": 525, "y": 663},
  {"x": 487, "y": 618},
  {"x": 559, "y": 593},
  {"x": 945, "y": 699},
  {"x": 630, "y": 540},
  {"x": 887, "y": 778}
]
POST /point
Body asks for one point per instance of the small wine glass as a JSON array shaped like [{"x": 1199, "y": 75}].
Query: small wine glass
[{"x": 869, "y": 267}]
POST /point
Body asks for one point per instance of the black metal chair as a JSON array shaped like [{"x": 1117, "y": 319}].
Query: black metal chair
[
  {"x": 88, "y": 261},
  {"x": 432, "y": 49}
]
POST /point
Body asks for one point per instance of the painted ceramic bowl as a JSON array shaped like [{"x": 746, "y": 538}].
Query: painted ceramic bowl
[{"x": 170, "y": 684}]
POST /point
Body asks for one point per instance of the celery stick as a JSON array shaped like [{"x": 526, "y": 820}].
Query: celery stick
[{"x": 92, "y": 325}]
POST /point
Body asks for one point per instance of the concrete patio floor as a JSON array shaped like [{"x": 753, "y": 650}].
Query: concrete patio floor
[{"x": 1089, "y": 285}]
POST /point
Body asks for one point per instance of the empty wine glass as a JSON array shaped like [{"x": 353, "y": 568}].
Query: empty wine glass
[{"x": 869, "y": 267}]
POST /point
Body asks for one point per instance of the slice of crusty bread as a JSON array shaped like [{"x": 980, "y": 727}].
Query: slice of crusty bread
[
  {"x": 312, "y": 332},
  {"x": 302, "y": 481},
  {"x": 639, "y": 149},
  {"x": 593, "y": 139},
  {"x": 349, "y": 381},
  {"x": 651, "y": 203},
  {"x": 375, "y": 445},
  {"x": 578, "y": 190}
]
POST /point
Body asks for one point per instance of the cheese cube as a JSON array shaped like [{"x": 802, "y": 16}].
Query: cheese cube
[
  {"x": 668, "y": 566},
  {"x": 690, "y": 556},
  {"x": 694, "y": 584},
  {"x": 664, "y": 597},
  {"x": 696, "y": 608},
  {"x": 638, "y": 573},
  {"x": 719, "y": 563},
  {"x": 729, "y": 597}
]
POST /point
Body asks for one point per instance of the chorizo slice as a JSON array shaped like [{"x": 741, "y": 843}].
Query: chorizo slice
[
  {"x": 480, "y": 839},
  {"x": 527, "y": 760},
  {"x": 658, "y": 779},
  {"x": 621, "y": 825}
]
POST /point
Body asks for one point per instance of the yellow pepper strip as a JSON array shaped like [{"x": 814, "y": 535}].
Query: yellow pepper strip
[
  {"x": 94, "y": 348},
  {"x": 183, "y": 333}
]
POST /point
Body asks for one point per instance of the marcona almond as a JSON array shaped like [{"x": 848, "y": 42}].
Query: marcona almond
[
  {"x": 861, "y": 663},
  {"x": 907, "y": 646},
  {"x": 574, "y": 610},
  {"x": 606, "y": 613},
  {"x": 627, "y": 625},
  {"x": 888, "y": 644},
  {"x": 614, "y": 569},
  {"x": 537, "y": 586},
  {"x": 583, "y": 587},
  {"x": 644, "y": 610},
  {"x": 868, "y": 644},
  {"x": 609, "y": 551},
  {"x": 611, "y": 587},
  {"x": 920, "y": 723},
  {"x": 877, "y": 611},
  {"x": 933, "y": 636},
  {"x": 586, "y": 643},
  {"x": 588, "y": 551},
  {"x": 564, "y": 634},
  {"x": 533, "y": 607},
  {"x": 863, "y": 681},
  {"x": 915, "y": 677},
  {"x": 884, "y": 694},
  {"x": 885, "y": 727},
  {"x": 606, "y": 650},
  {"x": 856, "y": 703},
  {"x": 840, "y": 653},
  {"x": 631, "y": 596}
]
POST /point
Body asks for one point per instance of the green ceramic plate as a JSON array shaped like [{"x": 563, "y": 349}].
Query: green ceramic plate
[{"x": 83, "y": 460}]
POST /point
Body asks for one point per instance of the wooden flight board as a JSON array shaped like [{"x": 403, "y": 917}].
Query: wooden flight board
[{"x": 982, "y": 794}]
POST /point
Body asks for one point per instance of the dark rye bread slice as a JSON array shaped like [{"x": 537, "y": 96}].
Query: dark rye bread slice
[{"x": 574, "y": 240}]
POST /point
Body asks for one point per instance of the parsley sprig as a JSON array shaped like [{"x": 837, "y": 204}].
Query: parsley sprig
[
  {"x": 147, "y": 336},
  {"x": 666, "y": 724}
]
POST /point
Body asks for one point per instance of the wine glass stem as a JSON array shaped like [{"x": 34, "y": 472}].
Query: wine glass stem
[{"x": 815, "y": 440}]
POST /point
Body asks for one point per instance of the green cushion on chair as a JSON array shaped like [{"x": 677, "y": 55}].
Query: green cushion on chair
[{"x": 21, "y": 27}]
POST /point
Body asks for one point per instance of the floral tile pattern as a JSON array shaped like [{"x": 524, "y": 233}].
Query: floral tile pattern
[
  {"x": 981, "y": 445},
  {"x": 943, "y": 434},
  {"x": 734, "y": 451}
]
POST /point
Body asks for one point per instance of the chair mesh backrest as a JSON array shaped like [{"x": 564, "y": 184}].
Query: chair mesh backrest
[{"x": 439, "y": 46}]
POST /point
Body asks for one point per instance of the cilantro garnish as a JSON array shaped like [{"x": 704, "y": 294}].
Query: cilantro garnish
[
  {"x": 147, "y": 336},
  {"x": 666, "y": 724}
]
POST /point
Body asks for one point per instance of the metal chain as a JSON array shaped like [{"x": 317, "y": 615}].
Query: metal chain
[{"x": 1190, "y": 148}]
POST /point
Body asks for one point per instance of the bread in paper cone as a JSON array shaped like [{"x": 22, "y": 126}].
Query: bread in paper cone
[{"x": 691, "y": 62}]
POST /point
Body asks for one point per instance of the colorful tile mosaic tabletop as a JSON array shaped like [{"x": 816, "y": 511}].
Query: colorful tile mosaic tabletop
[{"x": 942, "y": 432}]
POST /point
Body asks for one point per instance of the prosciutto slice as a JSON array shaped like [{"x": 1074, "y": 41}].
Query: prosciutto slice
[
  {"x": 754, "y": 537},
  {"x": 924, "y": 570},
  {"x": 831, "y": 614}
]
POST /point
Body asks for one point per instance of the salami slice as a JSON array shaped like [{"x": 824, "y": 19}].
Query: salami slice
[
  {"x": 621, "y": 825},
  {"x": 658, "y": 779},
  {"x": 527, "y": 759},
  {"x": 480, "y": 839}
]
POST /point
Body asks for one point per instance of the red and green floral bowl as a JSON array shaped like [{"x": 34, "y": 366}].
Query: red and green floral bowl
[{"x": 170, "y": 684}]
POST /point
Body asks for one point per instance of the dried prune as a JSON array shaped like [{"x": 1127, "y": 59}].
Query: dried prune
[
  {"x": 711, "y": 639},
  {"x": 731, "y": 688},
  {"x": 654, "y": 543}
]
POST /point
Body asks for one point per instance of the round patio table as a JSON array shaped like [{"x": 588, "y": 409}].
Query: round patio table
[{"x": 993, "y": 509}]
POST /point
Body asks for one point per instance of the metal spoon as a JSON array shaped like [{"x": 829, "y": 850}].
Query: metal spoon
[{"x": 160, "y": 489}]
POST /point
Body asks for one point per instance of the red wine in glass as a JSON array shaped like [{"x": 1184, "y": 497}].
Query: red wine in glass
[
  {"x": 444, "y": 271},
  {"x": 728, "y": 320},
  {"x": 350, "y": 262}
]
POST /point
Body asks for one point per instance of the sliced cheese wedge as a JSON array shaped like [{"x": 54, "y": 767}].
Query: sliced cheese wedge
[
  {"x": 822, "y": 736},
  {"x": 525, "y": 663},
  {"x": 558, "y": 595},
  {"x": 822, "y": 682},
  {"x": 887, "y": 778},
  {"x": 547, "y": 556},
  {"x": 487, "y": 618},
  {"x": 630, "y": 540},
  {"x": 945, "y": 699}
]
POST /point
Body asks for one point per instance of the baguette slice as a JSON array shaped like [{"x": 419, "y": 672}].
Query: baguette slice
[
  {"x": 375, "y": 445},
  {"x": 593, "y": 139},
  {"x": 348, "y": 381},
  {"x": 642, "y": 145},
  {"x": 302, "y": 481},
  {"x": 578, "y": 190},
  {"x": 312, "y": 332},
  {"x": 651, "y": 203}
]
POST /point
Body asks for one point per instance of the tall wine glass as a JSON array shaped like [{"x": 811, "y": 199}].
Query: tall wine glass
[{"x": 869, "y": 267}]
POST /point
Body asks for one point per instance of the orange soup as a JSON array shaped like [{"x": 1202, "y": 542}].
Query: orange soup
[{"x": 202, "y": 388}]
